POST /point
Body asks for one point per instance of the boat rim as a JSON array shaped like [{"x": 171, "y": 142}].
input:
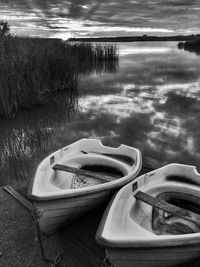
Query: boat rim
[
  {"x": 86, "y": 190},
  {"x": 163, "y": 241}
]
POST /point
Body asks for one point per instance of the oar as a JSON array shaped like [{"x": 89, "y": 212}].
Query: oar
[
  {"x": 98, "y": 176},
  {"x": 178, "y": 211}
]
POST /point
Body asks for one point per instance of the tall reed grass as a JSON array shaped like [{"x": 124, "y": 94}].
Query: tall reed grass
[
  {"x": 31, "y": 68},
  {"x": 38, "y": 71},
  {"x": 21, "y": 150},
  {"x": 91, "y": 57},
  {"x": 32, "y": 136}
]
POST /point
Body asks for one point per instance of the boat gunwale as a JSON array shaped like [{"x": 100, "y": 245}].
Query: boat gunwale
[
  {"x": 87, "y": 190},
  {"x": 84, "y": 190},
  {"x": 138, "y": 246},
  {"x": 164, "y": 241}
]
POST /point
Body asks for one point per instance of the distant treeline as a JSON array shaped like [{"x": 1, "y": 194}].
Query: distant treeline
[
  {"x": 144, "y": 38},
  {"x": 32, "y": 68}
]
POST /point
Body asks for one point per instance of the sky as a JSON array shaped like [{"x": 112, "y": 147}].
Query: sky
[{"x": 97, "y": 18}]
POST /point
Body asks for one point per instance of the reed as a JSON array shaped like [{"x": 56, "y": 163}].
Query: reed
[
  {"x": 91, "y": 57},
  {"x": 21, "y": 150},
  {"x": 32, "y": 68},
  {"x": 29, "y": 69},
  {"x": 191, "y": 46},
  {"x": 39, "y": 71}
]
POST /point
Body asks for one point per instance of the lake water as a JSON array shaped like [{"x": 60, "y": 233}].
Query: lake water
[{"x": 150, "y": 100}]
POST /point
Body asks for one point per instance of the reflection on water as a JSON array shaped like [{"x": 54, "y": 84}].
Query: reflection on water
[
  {"x": 142, "y": 48},
  {"x": 27, "y": 138},
  {"x": 30, "y": 136},
  {"x": 101, "y": 66},
  {"x": 191, "y": 46},
  {"x": 151, "y": 100}
]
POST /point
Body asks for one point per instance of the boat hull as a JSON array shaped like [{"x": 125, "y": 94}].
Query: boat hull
[
  {"x": 61, "y": 196},
  {"x": 127, "y": 230},
  {"x": 151, "y": 257},
  {"x": 57, "y": 212}
]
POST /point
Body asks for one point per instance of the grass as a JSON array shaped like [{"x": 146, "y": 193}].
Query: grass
[
  {"x": 32, "y": 68},
  {"x": 20, "y": 150},
  {"x": 23, "y": 147},
  {"x": 94, "y": 57},
  {"x": 42, "y": 71}
]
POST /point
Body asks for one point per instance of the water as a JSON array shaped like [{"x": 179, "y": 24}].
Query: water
[{"x": 151, "y": 101}]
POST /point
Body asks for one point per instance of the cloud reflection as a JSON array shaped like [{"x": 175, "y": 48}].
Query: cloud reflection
[{"x": 154, "y": 104}]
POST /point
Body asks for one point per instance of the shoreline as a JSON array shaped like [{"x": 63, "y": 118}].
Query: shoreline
[
  {"x": 18, "y": 248},
  {"x": 76, "y": 240},
  {"x": 143, "y": 38}
]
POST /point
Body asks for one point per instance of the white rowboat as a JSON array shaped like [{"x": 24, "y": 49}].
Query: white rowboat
[
  {"x": 136, "y": 234},
  {"x": 61, "y": 195}
]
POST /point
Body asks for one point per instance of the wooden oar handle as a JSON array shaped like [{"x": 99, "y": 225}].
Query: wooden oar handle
[
  {"x": 178, "y": 211},
  {"x": 66, "y": 168}
]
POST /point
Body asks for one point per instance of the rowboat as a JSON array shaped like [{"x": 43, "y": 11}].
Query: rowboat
[
  {"x": 154, "y": 221},
  {"x": 79, "y": 177}
]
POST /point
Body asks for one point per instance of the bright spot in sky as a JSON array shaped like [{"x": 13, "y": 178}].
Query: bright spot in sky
[
  {"x": 70, "y": 18},
  {"x": 64, "y": 35}
]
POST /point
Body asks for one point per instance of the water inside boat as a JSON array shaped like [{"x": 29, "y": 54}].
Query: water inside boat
[
  {"x": 80, "y": 181},
  {"x": 164, "y": 223}
]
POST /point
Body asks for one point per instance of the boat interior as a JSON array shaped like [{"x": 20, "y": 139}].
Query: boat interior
[
  {"x": 182, "y": 191},
  {"x": 102, "y": 165},
  {"x": 174, "y": 209},
  {"x": 105, "y": 164}
]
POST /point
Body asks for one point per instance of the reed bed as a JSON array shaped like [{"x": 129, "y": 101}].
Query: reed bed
[
  {"x": 90, "y": 57},
  {"x": 89, "y": 52},
  {"x": 20, "y": 150},
  {"x": 39, "y": 71},
  {"x": 191, "y": 46},
  {"x": 31, "y": 68},
  {"x": 29, "y": 142}
]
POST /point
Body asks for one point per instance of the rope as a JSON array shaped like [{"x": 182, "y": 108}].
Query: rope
[
  {"x": 38, "y": 236},
  {"x": 38, "y": 240},
  {"x": 57, "y": 259},
  {"x": 106, "y": 263}
]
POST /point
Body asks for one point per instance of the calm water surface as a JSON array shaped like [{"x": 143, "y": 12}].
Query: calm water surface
[{"x": 151, "y": 101}]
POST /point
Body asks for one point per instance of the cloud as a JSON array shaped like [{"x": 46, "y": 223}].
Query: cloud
[{"x": 96, "y": 17}]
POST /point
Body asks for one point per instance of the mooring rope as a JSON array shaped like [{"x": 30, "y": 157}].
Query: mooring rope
[
  {"x": 38, "y": 235},
  {"x": 106, "y": 263},
  {"x": 38, "y": 239}
]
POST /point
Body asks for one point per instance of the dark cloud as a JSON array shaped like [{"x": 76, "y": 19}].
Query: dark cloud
[
  {"x": 179, "y": 16},
  {"x": 180, "y": 3}
]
